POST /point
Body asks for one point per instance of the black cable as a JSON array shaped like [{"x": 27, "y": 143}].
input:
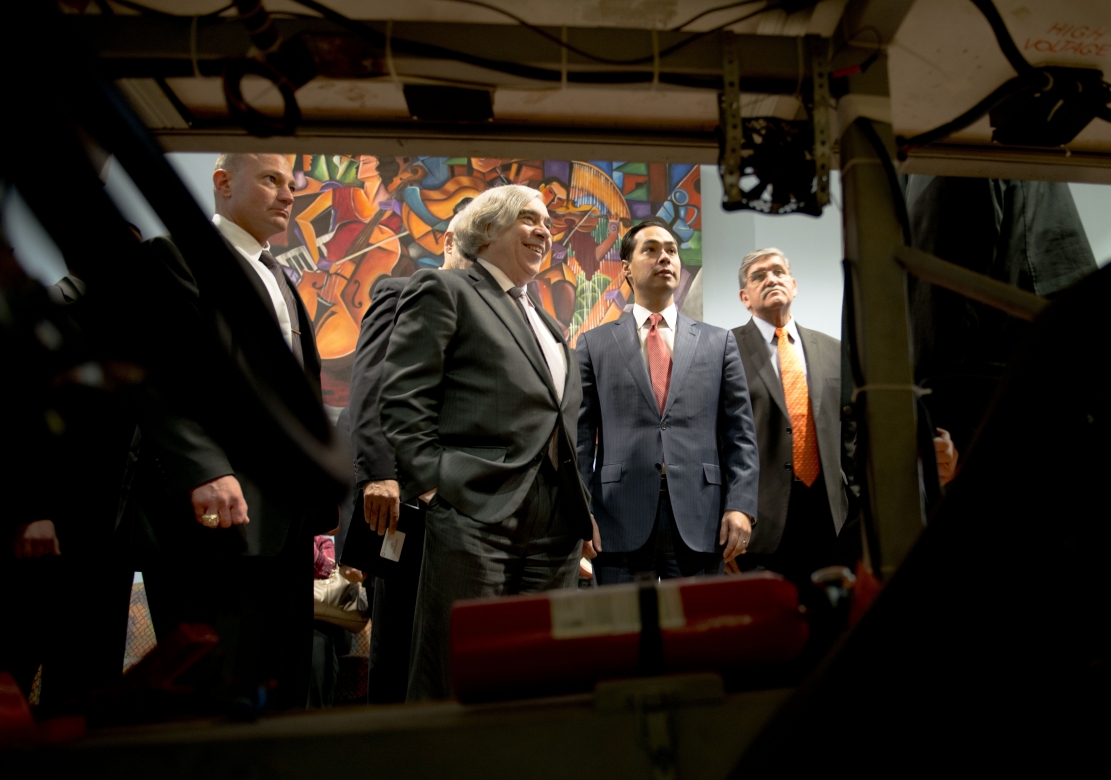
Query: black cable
[
  {"x": 864, "y": 64},
  {"x": 144, "y": 9},
  {"x": 897, "y": 198},
  {"x": 998, "y": 95},
  {"x": 1003, "y": 37},
  {"x": 709, "y": 11},
  {"x": 360, "y": 28}
]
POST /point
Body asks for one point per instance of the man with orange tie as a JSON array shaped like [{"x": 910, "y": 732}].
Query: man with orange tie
[
  {"x": 666, "y": 441},
  {"x": 795, "y": 386}
]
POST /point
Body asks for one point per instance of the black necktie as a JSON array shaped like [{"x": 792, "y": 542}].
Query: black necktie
[{"x": 268, "y": 260}]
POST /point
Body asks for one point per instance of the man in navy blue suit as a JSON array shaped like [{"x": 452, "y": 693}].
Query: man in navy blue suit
[{"x": 667, "y": 445}]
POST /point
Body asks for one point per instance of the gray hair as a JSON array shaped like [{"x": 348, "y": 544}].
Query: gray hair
[
  {"x": 488, "y": 215},
  {"x": 452, "y": 259},
  {"x": 756, "y": 256}
]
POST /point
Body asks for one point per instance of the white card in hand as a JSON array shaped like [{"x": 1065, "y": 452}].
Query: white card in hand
[{"x": 391, "y": 545}]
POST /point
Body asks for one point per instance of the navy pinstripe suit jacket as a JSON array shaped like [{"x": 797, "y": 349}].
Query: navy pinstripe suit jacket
[{"x": 706, "y": 434}]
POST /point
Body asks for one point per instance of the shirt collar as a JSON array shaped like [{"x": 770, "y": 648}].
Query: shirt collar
[
  {"x": 239, "y": 238},
  {"x": 767, "y": 330},
  {"x": 499, "y": 275},
  {"x": 642, "y": 314}
]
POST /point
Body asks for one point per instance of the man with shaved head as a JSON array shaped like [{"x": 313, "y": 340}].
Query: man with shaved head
[{"x": 230, "y": 556}]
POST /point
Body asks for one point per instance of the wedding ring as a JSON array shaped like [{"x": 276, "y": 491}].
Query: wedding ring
[{"x": 210, "y": 521}]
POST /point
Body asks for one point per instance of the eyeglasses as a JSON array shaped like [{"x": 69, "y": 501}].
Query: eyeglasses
[{"x": 779, "y": 272}]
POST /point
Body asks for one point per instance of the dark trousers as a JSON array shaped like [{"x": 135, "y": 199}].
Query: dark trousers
[
  {"x": 261, "y": 608},
  {"x": 664, "y": 555},
  {"x": 532, "y": 550},
  {"x": 391, "y": 620},
  {"x": 69, "y": 615},
  {"x": 329, "y": 642},
  {"x": 809, "y": 539}
]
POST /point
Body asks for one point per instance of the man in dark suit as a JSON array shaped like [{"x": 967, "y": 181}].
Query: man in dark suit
[
  {"x": 247, "y": 575},
  {"x": 480, "y": 401},
  {"x": 395, "y": 595},
  {"x": 795, "y": 385},
  {"x": 674, "y": 472},
  {"x": 1025, "y": 233}
]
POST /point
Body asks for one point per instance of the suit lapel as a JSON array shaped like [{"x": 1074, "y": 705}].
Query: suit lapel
[
  {"x": 256, "y": 282},
  {"x": 509, "y": 313},
  {"x": 757, "y": 351},
  {"x": 686, "y": 342},
  {"x": 814, "y": 357},
  {"x": 628, "y": 343}
]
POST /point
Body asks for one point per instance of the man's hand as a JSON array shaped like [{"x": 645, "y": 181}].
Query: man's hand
[
  {"x": 382, "y": 505},
  {"x": 222, "y": 496},
  {"x": 592, "y": 547},
  {"x": 352, "y": 575},
  {"x": 34, "y": 540},
  {"x": 736, "y": 530},
  {"x": 946, "y": 456}
]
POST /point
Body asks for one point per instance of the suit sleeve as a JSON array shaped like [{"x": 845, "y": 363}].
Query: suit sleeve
[
  {"x": 185, "y": 455},
  {"x": 589, "y": 415},
  {"x": 740, "y": 456},
  {"x": 374, "y": 455},
  {"x": 412, "y": 390}
]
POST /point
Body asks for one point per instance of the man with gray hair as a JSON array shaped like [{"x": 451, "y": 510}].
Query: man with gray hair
[
  {"x": 480, "y": 401},
  {"x": 794, "y": 381}
]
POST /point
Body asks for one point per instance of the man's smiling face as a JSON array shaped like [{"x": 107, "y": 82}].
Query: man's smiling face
[{"x": 520, "y": 248}]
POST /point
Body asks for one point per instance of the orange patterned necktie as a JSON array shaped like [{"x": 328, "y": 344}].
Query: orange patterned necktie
[{"x": 804, "y": 438}]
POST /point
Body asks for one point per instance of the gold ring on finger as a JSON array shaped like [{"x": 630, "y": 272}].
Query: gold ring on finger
[{"x": 210, "y": 520}]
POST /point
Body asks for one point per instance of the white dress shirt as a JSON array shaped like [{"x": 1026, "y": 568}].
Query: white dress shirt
[
  {"x": 767, "y": 330},
  {"x": 554, "y": 354},
  {"x": 666, "y": 329},
  {"x": 251, "y": 251}
]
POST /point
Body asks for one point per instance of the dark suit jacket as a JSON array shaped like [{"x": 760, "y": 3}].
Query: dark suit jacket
[
  {"x": 705, "y": 435},
  {"x": 374, "y": 455},
  {"x": 468, "y": 401},
  {"x": 177, "y": 454},
  {"x": 823, "y": 365}
]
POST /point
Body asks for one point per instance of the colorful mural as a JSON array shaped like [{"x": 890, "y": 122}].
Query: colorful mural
[{"x": 357, "y": 218}]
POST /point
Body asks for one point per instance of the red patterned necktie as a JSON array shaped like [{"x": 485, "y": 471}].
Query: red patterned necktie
[
  {"x": 659, "y": 362},
  {"x": 804, "y": 438}
]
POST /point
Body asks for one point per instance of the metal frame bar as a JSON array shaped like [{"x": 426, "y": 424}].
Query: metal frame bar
[{"x": 1000, "y": 295}]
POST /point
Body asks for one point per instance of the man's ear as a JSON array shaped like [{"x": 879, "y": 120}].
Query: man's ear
[{"x": 221, "y": 182}]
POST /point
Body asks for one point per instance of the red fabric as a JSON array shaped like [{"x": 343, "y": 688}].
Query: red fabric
[
  {"x": 324, "y": 558},
  {"x": 659, "y": 362}
]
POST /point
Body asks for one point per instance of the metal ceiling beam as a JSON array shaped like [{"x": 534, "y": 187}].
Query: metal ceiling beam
[
  {"x": 149, "y": 47},
  {"x": 560, "y": 143}
]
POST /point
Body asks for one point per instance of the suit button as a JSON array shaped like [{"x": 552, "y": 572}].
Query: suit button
[
  {"x": 657, "y": 467},
  {"x": 786, "y": 465},
  {"x": 788, "y": 430},
  {"x": 847, "y": 410},
  {"x": 663, "y": 426}
]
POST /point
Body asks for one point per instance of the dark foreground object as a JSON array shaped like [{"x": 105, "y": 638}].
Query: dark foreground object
[{"x": 991, "y": 640}]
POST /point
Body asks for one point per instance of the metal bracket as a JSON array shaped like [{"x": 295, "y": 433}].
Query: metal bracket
[
  {"x": 819, "y": 48},
  {"x": 729, "y": 164},
  {"x": 654, "y": 700}
]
